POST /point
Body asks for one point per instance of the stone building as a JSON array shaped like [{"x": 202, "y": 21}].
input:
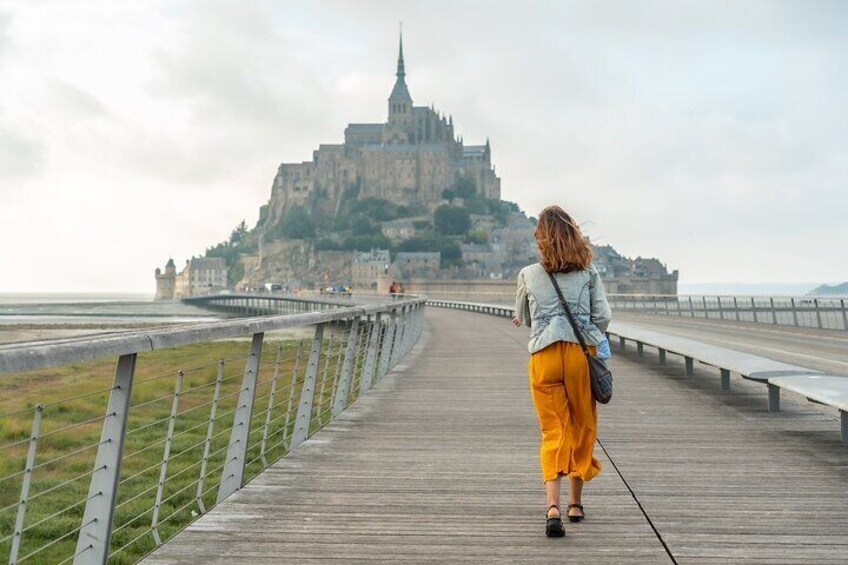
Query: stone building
[
  {"x": 201, "y": 276},
  {"x": 399, "y": 230},
  {"x": 410, "y": 159},
  {"x": 368, "y": 266},
  {"x": 409, "y": 264}
]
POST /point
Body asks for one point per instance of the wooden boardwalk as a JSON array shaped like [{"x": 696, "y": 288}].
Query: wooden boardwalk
[{"x": 438, "y": 464}]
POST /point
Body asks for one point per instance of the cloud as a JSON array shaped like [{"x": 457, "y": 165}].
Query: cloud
[
  {"x": 72, "y": 101},
  {"x": 21, "y": 155},
  {"x": 711, "y": 135},
  {"x": 5, "y": 23}
]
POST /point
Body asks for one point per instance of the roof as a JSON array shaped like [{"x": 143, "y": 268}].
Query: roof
[
  {"x": 365, "y": 128},
  {"x": 400, "y": 92},
  {"x": 375, "y": 255},
  {"x": 401, "y": 223},
  {"x": 208, "y": 263},
  {"x": 473, "y": 150},
  {"x": 475, "y": 248}
]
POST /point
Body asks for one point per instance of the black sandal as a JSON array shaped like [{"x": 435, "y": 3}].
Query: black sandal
[
  {"x": 576, "y": 518},
  {"x": 554, "y": 528}
]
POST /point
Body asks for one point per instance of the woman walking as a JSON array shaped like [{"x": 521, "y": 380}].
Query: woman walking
[{"x": 559, "y": 372}]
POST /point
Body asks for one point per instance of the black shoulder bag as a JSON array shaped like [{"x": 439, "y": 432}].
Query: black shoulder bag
[{"x": 599, "y": 374}]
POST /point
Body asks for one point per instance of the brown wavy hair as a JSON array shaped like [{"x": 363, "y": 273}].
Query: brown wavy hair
[{"x": 562, "y": 246}]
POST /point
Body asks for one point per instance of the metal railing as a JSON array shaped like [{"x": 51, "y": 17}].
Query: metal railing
[
  {"x": 822, "y": 313},
  {"x": 492, "y": 309},
  {"x": 104, "y": 462}
]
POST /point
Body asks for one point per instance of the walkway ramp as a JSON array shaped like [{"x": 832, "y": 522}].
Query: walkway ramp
[{"x": 438, "y": 464}]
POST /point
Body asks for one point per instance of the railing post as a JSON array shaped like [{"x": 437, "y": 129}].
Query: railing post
[
  {"x": 706, "y": 310},
  {"x": 691, "y": 307},
  {"x": 844, "y": 314},
  {"x": 690, "y": 365},
  {"x": 754, "y": 309},
  {"x": 163, "y": 472},
  {"x": 388, "y": 343},
  {"x": 720, "y": 311},
  {"x": 328, "y": 358},
  {"x": 343, "y": 387},
  {"x": 773, "y": 398},
  {"x": 29, "y": 467},
  {"x": 795, "y": 313},
  {"x": 307, "y": 393},
  {"x": 662, "y": 356},
  {"x": 818, "y": 312},
  {"x": 96, "y": 531},
  {"x": 773, "y": 311},
  {"x": 736, "y": 308},
  {"x": 290, "y": 404},
  {"x": 263, "y": 446},
  {"x": 233, "y": 472},
  {"x": 209, "y": 431},
  {"x": 725, "y": 379},
  {"x": 400, "y": 331},
  {"x": 371, "y": 357},
  {"x": 334, "y": 387}
]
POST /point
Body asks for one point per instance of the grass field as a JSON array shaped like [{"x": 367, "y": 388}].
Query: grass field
[{"x": 75, "y": 399}]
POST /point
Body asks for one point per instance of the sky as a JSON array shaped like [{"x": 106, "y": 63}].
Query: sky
[{"x": 712, "y": 135}]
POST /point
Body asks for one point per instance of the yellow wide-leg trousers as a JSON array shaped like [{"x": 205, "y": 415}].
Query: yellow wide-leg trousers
[{"x": 568, "y": 416}]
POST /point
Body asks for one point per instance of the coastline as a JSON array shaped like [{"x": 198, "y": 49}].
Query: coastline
[{"x": 25, "y": 318}]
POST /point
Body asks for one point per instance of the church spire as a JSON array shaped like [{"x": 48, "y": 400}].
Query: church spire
[
  {"x": 400, "y": 93},
  {"x": 401, "y": 72}
]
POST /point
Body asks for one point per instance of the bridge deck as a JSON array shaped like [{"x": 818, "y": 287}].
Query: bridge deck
[{"x": 438, "y": 463}]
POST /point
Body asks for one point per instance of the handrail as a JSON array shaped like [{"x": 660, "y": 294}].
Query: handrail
[
  {"x": 81, "y": 461},
  {"x": 27, "y": 356},
  {"x": 806, "y": 311}
]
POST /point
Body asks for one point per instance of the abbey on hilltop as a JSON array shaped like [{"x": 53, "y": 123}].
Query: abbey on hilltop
[
  {"x": 411, "y": 159},
  {"x": 403, "y": 200}
]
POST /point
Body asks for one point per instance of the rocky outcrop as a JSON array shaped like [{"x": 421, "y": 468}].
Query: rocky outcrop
[{"x": 295, "y": 263}]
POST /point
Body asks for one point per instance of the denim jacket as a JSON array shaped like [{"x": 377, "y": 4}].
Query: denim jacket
[{"x": 537, "y": 306}]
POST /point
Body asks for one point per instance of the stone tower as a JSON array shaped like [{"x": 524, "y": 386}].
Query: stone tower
[
  {"x": 166, "y": 282},
  {"x": 401, "y": 120}
]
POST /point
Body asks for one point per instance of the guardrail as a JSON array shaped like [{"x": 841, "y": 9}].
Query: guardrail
[
  {"x": 493, "y": 309},
  {"x": 95, "y": 467},
  {"x": 822, "y": 313}
]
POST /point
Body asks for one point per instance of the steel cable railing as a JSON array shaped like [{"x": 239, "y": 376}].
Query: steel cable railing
[
  {"x": 90, "y": 472},
  {"x": 804, "y": 312}
]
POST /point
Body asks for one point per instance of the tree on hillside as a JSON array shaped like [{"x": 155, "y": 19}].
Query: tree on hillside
[
  {"x": 466, "y": 187},
  {"x": 296, "y": 223},
  {"x": 451, "y": 220},
  {"x": 238, "y": 234}
]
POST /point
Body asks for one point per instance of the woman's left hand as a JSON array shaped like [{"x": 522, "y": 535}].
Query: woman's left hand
[{"x": 516, "y": 322}]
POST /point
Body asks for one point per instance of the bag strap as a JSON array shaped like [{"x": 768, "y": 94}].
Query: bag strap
[{"x": 577, "y": 333}]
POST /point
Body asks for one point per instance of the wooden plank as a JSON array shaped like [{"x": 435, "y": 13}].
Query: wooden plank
[{"x": 438, "y": 463}]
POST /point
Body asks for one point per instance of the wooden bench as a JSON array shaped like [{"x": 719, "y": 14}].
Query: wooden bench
[{"x": 831, "y": 390}]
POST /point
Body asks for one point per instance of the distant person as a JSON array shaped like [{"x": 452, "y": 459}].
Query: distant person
[
  {"x": 400, "y": 289},
  {"x": 393, "y": 288},
  {"x": 559, "y": 372}
]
